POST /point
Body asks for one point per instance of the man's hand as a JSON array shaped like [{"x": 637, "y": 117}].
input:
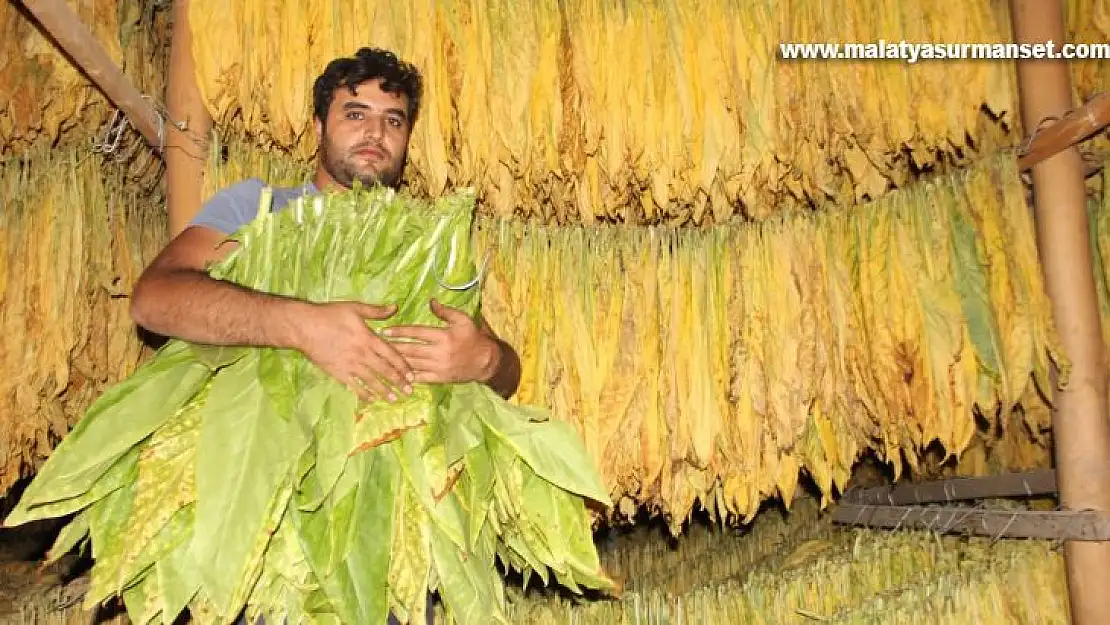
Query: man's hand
[
  {"x": 459, "y": 352},
  {"x": 336, "y": 338}
]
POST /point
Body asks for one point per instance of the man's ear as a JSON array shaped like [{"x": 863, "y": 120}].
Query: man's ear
[{"x": 319, "y": 125}]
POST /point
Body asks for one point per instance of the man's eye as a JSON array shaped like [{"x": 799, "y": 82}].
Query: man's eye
[
  {"x": 396, "y": 122},
  {"x": 354, "y": 115}
]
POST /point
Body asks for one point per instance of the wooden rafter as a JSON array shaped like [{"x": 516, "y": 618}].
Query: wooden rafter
[
  {"x": 1074, "y": 127},
  {"x": 78, "y": 43}
]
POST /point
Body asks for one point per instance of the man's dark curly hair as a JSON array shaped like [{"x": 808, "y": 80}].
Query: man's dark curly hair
[{"x": 367, "y": 64}]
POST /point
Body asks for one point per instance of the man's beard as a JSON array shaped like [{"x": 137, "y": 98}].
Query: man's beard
[{"x": 346, "y": 173}]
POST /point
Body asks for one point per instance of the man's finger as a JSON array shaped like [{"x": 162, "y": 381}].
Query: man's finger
[
  {"x": 370, "y": 311},
  {"x": 429, "y": 377},
  {"x": 426, "y": 334},
  {"x": 428, "y": 366},
  {"x": 393, "y": 366},
  {"x": 359, "y": 388},
  {"x": 371, "y": 380},
  {"x": 448, "y": 314},
  {"x": 414, "y": 351}
]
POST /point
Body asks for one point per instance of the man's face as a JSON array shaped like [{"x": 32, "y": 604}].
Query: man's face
[{"x": 366, "y": 136}]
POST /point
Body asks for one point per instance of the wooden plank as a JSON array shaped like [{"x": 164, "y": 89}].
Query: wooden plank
[
  {"x": 1007, "y": 485},
  {"x": 1048, "y": 525}
]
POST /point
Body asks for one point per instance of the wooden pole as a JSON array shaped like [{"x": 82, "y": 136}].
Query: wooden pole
[
  {"x": 1080, "y": 426},
  {"x": 1074, "y": 127},
  {"x": 186, "y": 149},
  {"x": 75, "y": 40}
]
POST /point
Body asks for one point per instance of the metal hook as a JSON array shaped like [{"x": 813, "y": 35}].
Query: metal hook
[
  {"x": 113, "y": 134},
  {"x": 477, "y": 278}
]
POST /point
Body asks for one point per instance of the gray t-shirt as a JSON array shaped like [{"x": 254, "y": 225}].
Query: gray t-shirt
[{"x": 237, "y": 205}]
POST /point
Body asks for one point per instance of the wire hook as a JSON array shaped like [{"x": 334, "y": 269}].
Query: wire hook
[{"x": 473, "y": 282}]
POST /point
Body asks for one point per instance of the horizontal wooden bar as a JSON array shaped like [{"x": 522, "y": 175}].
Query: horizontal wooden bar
[
  {"x": 1076, "y": 126},
  {"x": 1006, "y": 485},
  {"x": 1059, "y": 525}
]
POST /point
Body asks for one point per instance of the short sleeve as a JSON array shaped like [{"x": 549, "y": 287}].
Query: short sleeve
[{"x": 232, "y": 208}]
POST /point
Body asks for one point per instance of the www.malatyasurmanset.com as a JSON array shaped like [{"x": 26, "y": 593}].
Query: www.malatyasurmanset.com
[{"x": 911, "y": 52}]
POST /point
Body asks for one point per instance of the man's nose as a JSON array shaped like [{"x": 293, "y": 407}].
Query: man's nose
[{"x": 374, "y": 126}]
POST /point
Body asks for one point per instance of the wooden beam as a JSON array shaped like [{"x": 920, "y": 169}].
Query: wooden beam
[
  {"x": 75, "y": 40},
  {"x": 1081, "y": 429},
  {"x": 187, "y": 148},
  {"x": 1076, "y": 126},
  {"x": 1084, "y": 526},
  {"x": 1028, "y": 484}
]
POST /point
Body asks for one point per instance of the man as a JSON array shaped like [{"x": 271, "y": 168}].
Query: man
[{"x": 364, "y": 108}]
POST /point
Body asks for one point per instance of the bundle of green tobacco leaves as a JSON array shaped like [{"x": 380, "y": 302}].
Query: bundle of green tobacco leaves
[{"x": 224, "y": 480}]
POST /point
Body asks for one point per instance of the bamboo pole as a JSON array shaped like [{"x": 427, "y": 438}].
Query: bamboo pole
[
  {"x": 186, "y": 146},
  {"x": 1080, "y": 425},
  {"x": 83, "y": 50}
]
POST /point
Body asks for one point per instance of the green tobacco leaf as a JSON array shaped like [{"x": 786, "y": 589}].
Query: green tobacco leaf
[
  {"x": 480, "y": 474},
  {"x": 541, "y": 523},
  {"x": 410, "y": 556},
  {"x": 467, "y": 580},
  {"x": 107, "y": 521},
  {"x": 518, "y": 532},
  {"x": 143, "y": 600},
  {"x": 217, "y": 356},
  {"x": 335, "y": 435},
  {"x": 512, "y": 560},
  {"x": 121, "y": 418},
  {"x": 311, "y": 405},
  {"x": 463, "y": 431},
  {"x": 368, "y": 546},
  {"x": 244, "y": 457},
  {"x": 278, "y": 371},
  {"x": 520, "y": 554},
  {"x": 287, "y": 583},
  {"x": 346, "y": 539},
  {"x": 322, "y": 521},
  {"x": 449, "y": 519},
  {"x": 74, "y": 532},
  {"x": 507, "y": 506},
  {"x": 565, "y": 524},
  {"x": 312, "y": 392},
  {"x": 122, "y": 472},
  {"x": 172, "y": 534},
  {"x": 257, "y": 553},
  {"x": 290, "y": 517},
  {"x": 323, "y": 535},
  {"x": 381, "y": 421},
  {"x": 178, "y": 577},
  {"x": 164, "y": 485},
  {"x": 551, "y": 448}
]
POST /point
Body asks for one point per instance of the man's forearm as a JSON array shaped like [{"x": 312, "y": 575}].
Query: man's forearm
[
  {"x": 189, "y": 305},
  {"x": 506, "y": 376}
]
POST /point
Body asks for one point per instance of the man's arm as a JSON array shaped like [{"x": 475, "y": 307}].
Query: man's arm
[{"x": 175, "y": 297}]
